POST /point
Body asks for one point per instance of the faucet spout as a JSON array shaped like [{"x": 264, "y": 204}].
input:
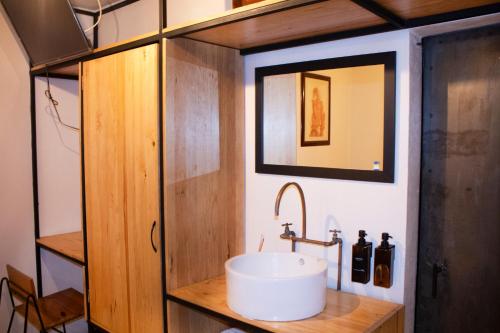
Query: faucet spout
[
  {"x": 302, "y": 202},
  {"x": 290, "y": 235}
]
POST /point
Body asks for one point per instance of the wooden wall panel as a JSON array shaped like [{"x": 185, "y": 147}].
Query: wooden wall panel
[
  {"x": 394, "y": 324},
  {"x": 183, "y": 319},
  {"x": 141, "y": 188},
  {"x": 104, "y": 152},
  {"x": 121, "y": 182},
  {"x": 204, "y": 119}
]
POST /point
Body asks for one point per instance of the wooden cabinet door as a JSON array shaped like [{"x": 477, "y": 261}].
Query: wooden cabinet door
[
  {"x": 121, "y": 188},
  {"x": 142, "y": 190}
]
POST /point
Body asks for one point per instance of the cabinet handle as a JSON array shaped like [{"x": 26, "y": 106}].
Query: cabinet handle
[{"x": 152, "y": 231}]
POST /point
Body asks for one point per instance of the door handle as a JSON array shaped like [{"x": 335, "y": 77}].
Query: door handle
[
  {"x": 436, "y": 270},
  {"x": 152, "y": 232}
]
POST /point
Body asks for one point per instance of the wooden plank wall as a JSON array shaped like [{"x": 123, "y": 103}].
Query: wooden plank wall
[
  {"x": 204, "y": 184},
  {"x": 120, "y": 107}
]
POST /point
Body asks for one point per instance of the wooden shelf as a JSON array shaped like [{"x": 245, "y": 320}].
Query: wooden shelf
[
  {"x": 272, "y": 21},
  {"x": 69, "y": 245},
  {"x": 273, "y": 24},
  {"x": 344, "y": 312},
  {"x": 412, "y": 9}
]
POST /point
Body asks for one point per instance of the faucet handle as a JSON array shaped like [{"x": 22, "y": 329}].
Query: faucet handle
[
  {"x": 287, "y": 232},
  {"x": 335, "y": 233}
]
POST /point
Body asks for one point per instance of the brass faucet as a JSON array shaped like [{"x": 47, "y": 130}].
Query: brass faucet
[{"x": 288, "y": 234}]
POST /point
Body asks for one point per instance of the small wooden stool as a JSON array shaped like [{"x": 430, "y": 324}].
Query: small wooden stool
[{"x": 44, "y": 313}]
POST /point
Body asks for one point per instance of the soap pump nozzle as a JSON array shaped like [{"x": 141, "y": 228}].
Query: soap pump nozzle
[
  {"x": 362, "y": 234},
  {"x": 385, "y": 240}
]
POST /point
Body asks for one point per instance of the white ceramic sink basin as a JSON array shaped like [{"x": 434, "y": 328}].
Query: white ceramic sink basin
[{"x": 276, "y": 286}]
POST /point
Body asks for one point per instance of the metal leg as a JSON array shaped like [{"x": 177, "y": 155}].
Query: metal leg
[
  {"x": 26, "y": 316},
  {"x": 64, "y": 327},
  {"x": 11, "y": 319}
]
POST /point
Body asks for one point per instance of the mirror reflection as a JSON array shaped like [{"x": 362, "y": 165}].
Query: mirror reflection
[{"x": 328, "y": 118}]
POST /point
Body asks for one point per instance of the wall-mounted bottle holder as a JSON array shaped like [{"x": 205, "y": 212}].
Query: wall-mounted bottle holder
[
  {"x": 384, "y": 263},
  {"x": 361, "y": 259}
]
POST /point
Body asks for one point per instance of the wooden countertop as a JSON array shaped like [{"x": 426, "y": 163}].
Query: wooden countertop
[
  {"x": 344, "y": 312},
  {"x": 69, "y": 245}
]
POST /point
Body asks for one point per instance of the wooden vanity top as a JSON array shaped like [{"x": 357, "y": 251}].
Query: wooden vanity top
[
  {"x": 344, "y": 312},
  {"x": 68, "y": 245}
]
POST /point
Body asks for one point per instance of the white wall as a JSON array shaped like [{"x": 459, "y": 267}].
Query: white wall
[
  {"x": 17, "y": 242},
  {"x": 181, "y": 11},
  {"x": 86, "y": 21},
  {"x": 346, "y": 205},
  {"x": 59, "y": 182},
  {"x": 58, "y": 173},
  {"x": 130, "y": 21}
]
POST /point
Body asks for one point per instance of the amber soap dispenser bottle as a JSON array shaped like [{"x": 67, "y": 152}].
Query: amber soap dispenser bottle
[
  {"x": 361, "y": 258},
  {"x": 384, "y": 263}
]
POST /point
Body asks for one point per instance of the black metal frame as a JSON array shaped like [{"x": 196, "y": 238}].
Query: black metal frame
[
  {"x": 393, "y": 23},
  {"x": 29, "y": 298},
  {"x": 387, "y": 174},
  {"x": 155, "y": 39},
  {"x": 303, "y": 142},
  {"x": 7, "y": 282}
]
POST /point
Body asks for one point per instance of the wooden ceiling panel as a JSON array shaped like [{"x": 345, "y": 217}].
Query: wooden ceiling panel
[
  {"x": 312, "y": 20},
  {"x": 69, "y": 70},
  {"x": 410, "y": 9}
]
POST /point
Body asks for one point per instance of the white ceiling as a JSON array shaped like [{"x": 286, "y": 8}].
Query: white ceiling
[{"x": 92, "y": 4}]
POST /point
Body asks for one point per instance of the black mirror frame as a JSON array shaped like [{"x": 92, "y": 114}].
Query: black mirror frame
[{"x": 387, "y": 174}]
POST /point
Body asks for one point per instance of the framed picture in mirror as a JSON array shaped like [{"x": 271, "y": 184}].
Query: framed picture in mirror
[
  {"x": 328, "y": 118},
  {"x": 315, "y": 110}
]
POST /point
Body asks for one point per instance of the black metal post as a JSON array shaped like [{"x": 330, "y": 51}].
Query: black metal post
[
  {"x": 162, "y": 23},
  {"x": 95, "y": 42},
  {"x": 34, "y": 175}
]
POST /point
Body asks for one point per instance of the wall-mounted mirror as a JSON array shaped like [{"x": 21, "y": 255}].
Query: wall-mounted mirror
[{"x": 331, "y": 118}]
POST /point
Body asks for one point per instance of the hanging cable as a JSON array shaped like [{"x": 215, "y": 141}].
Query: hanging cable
[
  {"x": 55, "y": 103},
  {"x": 98, "y": 19}
]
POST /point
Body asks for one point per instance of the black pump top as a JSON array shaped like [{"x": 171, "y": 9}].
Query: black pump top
[
  {"x": 385, "y": 240},
  {"x": 361, "y": 240}
]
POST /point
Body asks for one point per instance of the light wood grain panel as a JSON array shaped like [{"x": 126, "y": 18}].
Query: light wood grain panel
[
  {"x": 343, "y": 313},
  {"x": 204, "y": 167},
  {"x": 69, "y": 244},
  {"x": 55, "y": 309},
  {"x": 408, "y": 9},
  {"x": 306, "y": 21},
  {"x": 128, "y": 298},
  {"x": 183, "y": 319},
  {"x": 394, "y": 324},
  {"x": 141, "y": 188},
  {"x": 204, "y": 160},
  {"x": 21, "y": 285},
  {"x": 280, "y": 123},
  {"x": 104, "y": 151}
]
